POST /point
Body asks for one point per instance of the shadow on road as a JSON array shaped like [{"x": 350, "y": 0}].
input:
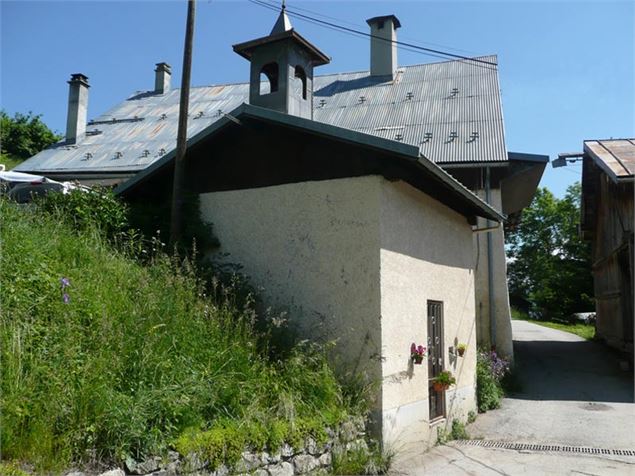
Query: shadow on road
[{"x": 563, "y": 370}]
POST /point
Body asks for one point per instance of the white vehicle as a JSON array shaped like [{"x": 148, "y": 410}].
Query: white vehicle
[{"x": 22, "y": 187}]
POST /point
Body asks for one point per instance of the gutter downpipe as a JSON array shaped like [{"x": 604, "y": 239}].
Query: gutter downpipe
[{"x": 490, "y": 270}]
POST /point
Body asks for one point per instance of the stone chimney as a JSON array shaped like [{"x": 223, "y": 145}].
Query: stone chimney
[
  {"x": 383, "y": 47},
  {"x": 77, "y": 108},
  {"x": 163, "y": 74}
]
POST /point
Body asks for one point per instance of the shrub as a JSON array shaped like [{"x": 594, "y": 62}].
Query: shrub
[
  {"x": 84, "y": 210},
  {"x": 490, "y": 370}
]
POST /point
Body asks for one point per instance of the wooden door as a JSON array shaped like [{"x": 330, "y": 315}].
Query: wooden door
[{"x": 435, "y": 357}]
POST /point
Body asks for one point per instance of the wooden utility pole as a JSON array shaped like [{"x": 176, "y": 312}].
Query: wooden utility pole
[{"x": 176, "y": 223}]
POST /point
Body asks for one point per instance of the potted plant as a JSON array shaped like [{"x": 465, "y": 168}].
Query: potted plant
[
  {"x": 461, "y": 349},
  {"x": 417, "y": 353},
  {"x": 443, "y": 381}
]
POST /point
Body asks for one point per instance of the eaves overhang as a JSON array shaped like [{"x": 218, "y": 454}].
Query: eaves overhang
[
  {"x": 617, "y": 164},
  {"x": 398, "y": 150},
  {"x": 246, "y": 49},
  {"x": 525, "y": 157}
]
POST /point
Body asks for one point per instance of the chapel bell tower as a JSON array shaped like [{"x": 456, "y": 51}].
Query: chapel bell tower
[{"x": 281, "y": 75}]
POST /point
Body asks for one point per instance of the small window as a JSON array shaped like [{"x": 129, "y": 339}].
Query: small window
[
  {"x": 380, "y": 25},
  {"x": 269, "y": 78},
  {"x": 301, "y": 75}
]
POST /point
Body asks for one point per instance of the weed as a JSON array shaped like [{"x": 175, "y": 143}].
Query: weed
[
  {"x": 360, "y": 460},
  {"x": 471, "y": 417},
  {"x": 443, "y": 436},
  {"x": 12, "y": 468},
  {"x": 458, "y": 431}
]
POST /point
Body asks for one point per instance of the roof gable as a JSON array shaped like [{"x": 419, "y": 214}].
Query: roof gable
[{"x": 437, "y": 183}]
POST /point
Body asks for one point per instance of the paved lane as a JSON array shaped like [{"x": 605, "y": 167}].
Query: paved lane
[{"x": 572, "y": 392}]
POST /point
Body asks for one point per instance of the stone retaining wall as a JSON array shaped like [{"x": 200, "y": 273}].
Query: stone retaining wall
[{"x": 312, "y": 458}]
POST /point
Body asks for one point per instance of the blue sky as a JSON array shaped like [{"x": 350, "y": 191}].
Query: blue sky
[{"x": 566, "y": 68}]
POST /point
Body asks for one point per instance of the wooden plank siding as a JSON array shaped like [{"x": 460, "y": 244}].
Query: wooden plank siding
[{"x": 607, "y": 221}]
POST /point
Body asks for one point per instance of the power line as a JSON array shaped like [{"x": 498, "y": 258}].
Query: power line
[
  {"x": 403, "y": 45},
  {"x": 357, "y": 25},
  {"x": 572, "y": 171},
  {"x": 351, "y": 32}
]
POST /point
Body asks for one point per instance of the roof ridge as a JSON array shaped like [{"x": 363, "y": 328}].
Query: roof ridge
[{"x": 340, "y": 73}]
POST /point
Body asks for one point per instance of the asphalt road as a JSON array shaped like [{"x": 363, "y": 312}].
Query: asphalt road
[{"x": 571, "y": 393}]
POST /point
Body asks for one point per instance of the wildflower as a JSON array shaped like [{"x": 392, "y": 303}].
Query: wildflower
[{"x": 65, "y": 282}]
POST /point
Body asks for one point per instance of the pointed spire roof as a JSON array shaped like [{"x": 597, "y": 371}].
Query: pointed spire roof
[
  {"x": 282, "y": 32},
  {"x": 282, "y": 23}
]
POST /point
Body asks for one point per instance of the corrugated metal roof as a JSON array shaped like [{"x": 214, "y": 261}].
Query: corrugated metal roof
[
  {"x": 450, "y": 110},
  {"x": 431, "y": 171},
  {"x": 615, "y": 156}
]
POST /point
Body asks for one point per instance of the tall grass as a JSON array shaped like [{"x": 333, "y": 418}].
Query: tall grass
[{"x": 139, "y": 359}]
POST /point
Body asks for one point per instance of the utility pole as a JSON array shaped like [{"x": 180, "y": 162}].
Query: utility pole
[{"x": 176, "y": 222}]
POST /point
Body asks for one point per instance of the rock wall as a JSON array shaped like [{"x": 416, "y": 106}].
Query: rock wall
[{"x": 312, "y": 458}]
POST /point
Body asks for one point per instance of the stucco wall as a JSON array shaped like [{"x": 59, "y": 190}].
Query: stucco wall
[
  {"x": 502, "y": 315},
  {"x": 356, "y": 260},
  {"x": 311, "y": 249},
  {"x": 426, "y": 254}
]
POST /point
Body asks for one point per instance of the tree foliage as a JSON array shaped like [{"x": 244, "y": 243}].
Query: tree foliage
[
  {"x": 550, "y": 266},
  {"x": 24, "y": 135}
]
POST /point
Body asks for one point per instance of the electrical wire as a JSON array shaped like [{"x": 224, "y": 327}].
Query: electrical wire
[
  {"x": 358, "y": 25},
  {"x": 346, "y": 31},
  {"x": 577, "y": 172},
  {"x": 403, "y": 45}
]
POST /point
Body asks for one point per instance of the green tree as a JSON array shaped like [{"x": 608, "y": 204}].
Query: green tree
[
  {"x": 550, "y": 266},
  {"x": 23, "y": 135}
]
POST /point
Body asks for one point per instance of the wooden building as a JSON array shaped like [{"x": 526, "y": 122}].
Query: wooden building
[{"x": 607, "y": 222}]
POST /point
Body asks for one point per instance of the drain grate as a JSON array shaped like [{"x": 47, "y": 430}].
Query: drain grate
[{"x": 537, "y": 447}]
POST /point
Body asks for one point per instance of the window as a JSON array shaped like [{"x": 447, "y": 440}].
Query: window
[
  {"x": 269, "y": 78},
  {"x": 301, "y": 75}
]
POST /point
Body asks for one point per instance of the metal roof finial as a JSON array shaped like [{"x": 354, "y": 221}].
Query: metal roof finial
[{"x": 283, "y": 23}]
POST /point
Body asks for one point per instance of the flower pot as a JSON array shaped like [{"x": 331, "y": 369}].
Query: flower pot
[
  {"x": 439, "y": 387},
  {"x": 417, "y": 359},
  {"x": 461, "y": 351}
]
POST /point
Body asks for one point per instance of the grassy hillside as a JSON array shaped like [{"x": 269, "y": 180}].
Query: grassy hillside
[{"x": 104, "y": 358}]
